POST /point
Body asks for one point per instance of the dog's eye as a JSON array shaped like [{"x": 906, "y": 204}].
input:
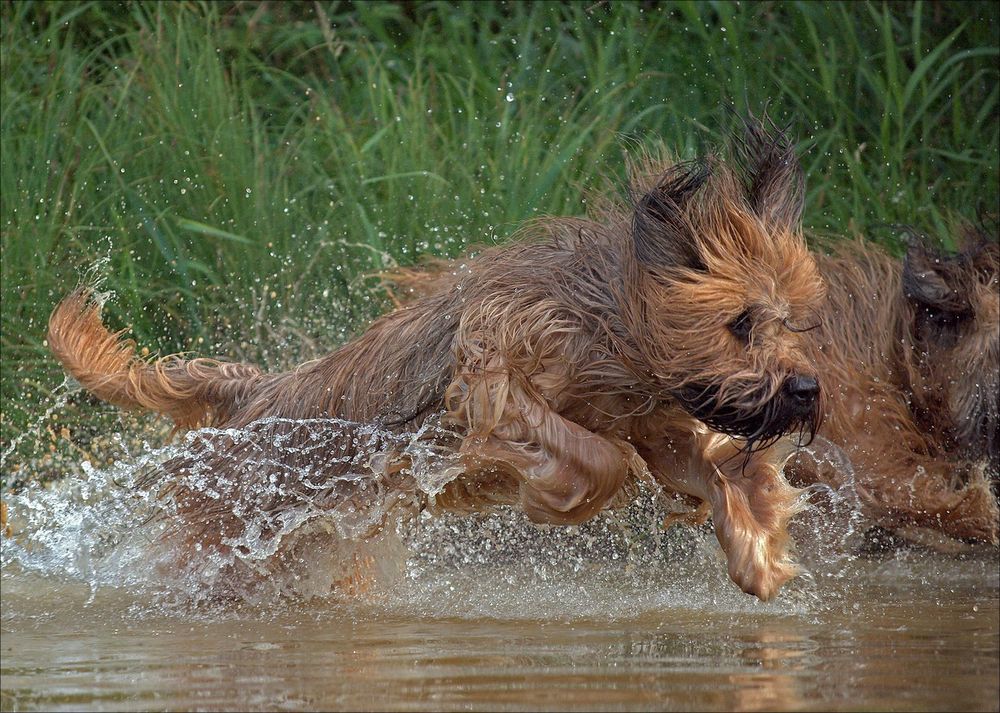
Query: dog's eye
[{"x": 740, "y": 327}]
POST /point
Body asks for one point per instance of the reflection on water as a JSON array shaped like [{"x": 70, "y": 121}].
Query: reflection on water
[
  {"x": 917, "y": 634},
  {"x": 482, "y": 612}
]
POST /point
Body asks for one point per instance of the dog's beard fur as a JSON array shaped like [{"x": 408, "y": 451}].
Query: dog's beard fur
[{"x": 758, "y": 413}]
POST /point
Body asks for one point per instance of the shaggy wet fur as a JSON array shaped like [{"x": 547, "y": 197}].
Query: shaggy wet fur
[
  {"x": 662, "y": 336},
  {"x": 909, "y": 351}
]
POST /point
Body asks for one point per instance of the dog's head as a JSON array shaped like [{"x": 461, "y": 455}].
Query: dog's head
[
  {"x": 726, "y": 287},
  {"x": 955, "y": 303}
]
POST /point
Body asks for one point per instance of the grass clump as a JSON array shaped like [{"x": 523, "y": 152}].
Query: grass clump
[{"x": 232, "y": 171}]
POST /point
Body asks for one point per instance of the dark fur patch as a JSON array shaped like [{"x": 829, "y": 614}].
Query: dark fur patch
[
  {"x": 772, "y": 174},
  {"x": 662, "y": 236},
  {"x": 935, "y": 280}
]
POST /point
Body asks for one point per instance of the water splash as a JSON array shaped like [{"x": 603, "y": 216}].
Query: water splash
[
  {"x": 830, "y": 527},
  {"x": 299, "y": 505},
  {"x": 620, "y": 565},
  {"x": 62, "y": 394},
  {"x": 289, "y": 510},
  {"x": 93, "y": 279}
]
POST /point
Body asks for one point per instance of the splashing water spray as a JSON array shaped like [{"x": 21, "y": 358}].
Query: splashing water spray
[
  {"x": 93, "y": 278},
  {"x": 314, "y": 498}
]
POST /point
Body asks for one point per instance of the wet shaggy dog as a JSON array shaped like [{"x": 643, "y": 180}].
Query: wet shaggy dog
[
  {"x": 909, "y": 353},
  {"x": 662, "y": 336}
]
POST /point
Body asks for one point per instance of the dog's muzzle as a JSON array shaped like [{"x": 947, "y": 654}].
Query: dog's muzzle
[{"x": 755, "y": 416}]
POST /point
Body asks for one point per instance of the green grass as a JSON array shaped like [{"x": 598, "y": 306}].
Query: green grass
[{"x": 241, "y": 167}]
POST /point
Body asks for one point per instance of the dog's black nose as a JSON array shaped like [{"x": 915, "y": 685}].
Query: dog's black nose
[{"x": 804, "y": 389}]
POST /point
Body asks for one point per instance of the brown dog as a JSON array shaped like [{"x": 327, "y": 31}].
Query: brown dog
[
  {"x": 662, "y": 333},
  {"x": 909, "y": 352}
]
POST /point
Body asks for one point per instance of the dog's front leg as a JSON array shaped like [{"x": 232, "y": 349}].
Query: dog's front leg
[
  {"x": 566, "y": 473},
  {"x": 750, "y": 500},
  {"x": 752, "y": 504}
]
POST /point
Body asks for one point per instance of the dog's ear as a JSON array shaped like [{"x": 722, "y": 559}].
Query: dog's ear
[
  {"x": 981, "y": 250},
  {"x": 771, "y": 172},
  {"x": 933, "y": 280},
  {"x": 661, "y": 234}
]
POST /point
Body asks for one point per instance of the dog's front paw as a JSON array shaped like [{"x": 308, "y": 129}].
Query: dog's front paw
[
  {"x": 750, "y": 514},
  {"x": 755, "y": 566}
]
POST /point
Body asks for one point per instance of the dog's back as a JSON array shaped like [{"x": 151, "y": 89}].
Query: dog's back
[{"x": 393, "y": 374}]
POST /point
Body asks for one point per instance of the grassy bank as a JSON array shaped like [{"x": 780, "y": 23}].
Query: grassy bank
[{"x": 233, "y": 170}]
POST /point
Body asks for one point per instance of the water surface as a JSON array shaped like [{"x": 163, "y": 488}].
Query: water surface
[
  {"x": 486, "y": 612},
  {"x": 910, "y": 633}
]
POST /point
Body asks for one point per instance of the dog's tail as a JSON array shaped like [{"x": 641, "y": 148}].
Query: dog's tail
[{"x": 192, "y": 392}]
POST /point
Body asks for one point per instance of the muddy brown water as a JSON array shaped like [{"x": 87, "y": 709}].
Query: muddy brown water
[
  {"x": 487, "y": 613},
  {"x": 913, "y": 631}
]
